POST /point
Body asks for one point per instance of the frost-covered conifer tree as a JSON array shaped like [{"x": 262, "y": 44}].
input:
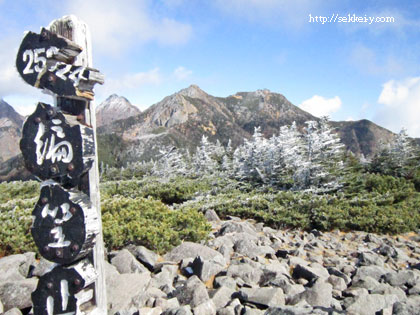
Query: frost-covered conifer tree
[
  {"x": 396, "y": 158},
  {"x": 248, "y": 159},
  {"x": 171, "y": 163},
  {"x": 203, "y": 161},
  {"x": 321, "y": 164}
]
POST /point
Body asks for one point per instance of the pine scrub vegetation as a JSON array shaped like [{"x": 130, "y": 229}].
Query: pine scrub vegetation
[{"x": 295, "y": 179}]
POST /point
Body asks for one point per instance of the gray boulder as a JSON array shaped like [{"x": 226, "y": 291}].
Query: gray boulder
[
  {"x": 147, "y": 257},
  {"x": 205, "y": 308},
  {"x": 320, "y": 294},
  {"x": 338, "y": 283},
  {"x": 13, "y": 311},
  {"x": 17, "y": 293},
  {"x": 125, "y": 262},
  {"x": 122, "y": 288},
  {"x": 310, "y": 273},
  {"x": 370, "y": 258},
  {"x": 193, "y": 292},
  {"x": 237, "y": 227},
  {"x": 370, "y": 304},
  {"x": 289, "y": 310},
  {"x": 224, "y": 281},
  {"x": 16, "y": 267},
  {"x": 265, "y": 296},
  {"x": 42, "y": 267},
  {"x": 222, "y": 296},
  {"x": 148, "y": 311},
  {"x": 246, "y": 272},
  {"x": 182, "y": 310},
  {"x": 402, "y": 278},
  {"x": 206, "y": 269},
  {"x": 191, "y": 250},
  {"x": 375, "y": 272},
  {"x": 212, "y": 216}
]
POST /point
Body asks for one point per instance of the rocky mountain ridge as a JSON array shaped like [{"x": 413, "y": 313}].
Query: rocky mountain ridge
[
  {"x": 182, "y": 118},
  {"x": 125, "y": 134},
  {"x": 10, "y": 131},
  {"x": 114, "y": 108}
]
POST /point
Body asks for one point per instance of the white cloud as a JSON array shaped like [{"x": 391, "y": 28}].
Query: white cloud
[
  {"x": 117, "y": 26},
  {"x": 401, "y": 106},
  {"x": 321, "y": 106},
  {"x": 182, "y": 73}
]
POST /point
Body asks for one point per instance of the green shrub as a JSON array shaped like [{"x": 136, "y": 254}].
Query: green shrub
[
  {"x": 149, "y": 223},
  {"x": 177, "y": 190},
  {"x": 16, "y": 221},
  {"x": 18, "y": 190}
]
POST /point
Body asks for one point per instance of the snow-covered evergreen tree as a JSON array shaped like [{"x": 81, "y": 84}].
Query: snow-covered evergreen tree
[
  {"x": 322, "y": 162},
  {"x": 397, "y": 158},
  {"x": 204, "y": 160},
  {"x": 170, "y": 163}
]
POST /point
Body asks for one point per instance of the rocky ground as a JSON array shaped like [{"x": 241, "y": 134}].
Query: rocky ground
[{"x": 247, "y": 268}]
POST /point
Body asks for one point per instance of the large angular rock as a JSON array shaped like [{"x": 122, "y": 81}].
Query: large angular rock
[
  {"x": 375, "y": 272},
  {"x": 205, "y": 308},
  {"x": 17, "y": 293},
  {"x": 16, "y": 267},
  {"x": 206, "y": 269},
  {"x": 246, "y": 272},
  {"x": 338, "y": 283},
  {"x": 42, "y": 267},
  {"x": 370, "y": 304},
  {"x": 369, "y": 258},
  {"x": 125, "y": 262},
  {"x": 224, "y": 281},
  {"x": 147, "y": 257},
  {"x": 402, "y": 278},
  {"x": 13, "y": 311},
  {"x": 193, "y": 292},
  {"x": 191, "y": 250},
  {"x": 237, "y": 227},
  {"x": 165, "y": 277},
  {"x": 320, "y": 294},
  {"x": 222, "y": 296},
  {"x": 289, "y": 310},
  {"x": 182, "y": 310},
  {"x": 310, "y": 273},
  {"x": 367, "y": 282},
  {"x": 262, "y": 297},
  {"x": 122, "y": 288}
]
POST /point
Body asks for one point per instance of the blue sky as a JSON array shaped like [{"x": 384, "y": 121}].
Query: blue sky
[{"x": 150, "y": 49}]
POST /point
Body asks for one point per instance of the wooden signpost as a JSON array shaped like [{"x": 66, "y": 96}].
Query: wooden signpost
[{"x": 59, "y": 147}]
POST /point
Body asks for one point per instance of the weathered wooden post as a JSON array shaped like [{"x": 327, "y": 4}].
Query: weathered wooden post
[{"x": 59, "y": 147}]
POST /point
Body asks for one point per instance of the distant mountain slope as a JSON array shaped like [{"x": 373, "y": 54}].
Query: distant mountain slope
[
  {"x": 125, "y": 134},
  {"x": 114, "y": 108},
  {"x": 10, "y": 131},
  {"x": 182, "y": 118},
  {"x": 362, "y": 136}
]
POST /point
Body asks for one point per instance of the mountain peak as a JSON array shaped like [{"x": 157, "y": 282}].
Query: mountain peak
[
  {"x": 193, "y": 91},
  {"x": 9, "y": 113},
  {"x": 115, "y": 107}
]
